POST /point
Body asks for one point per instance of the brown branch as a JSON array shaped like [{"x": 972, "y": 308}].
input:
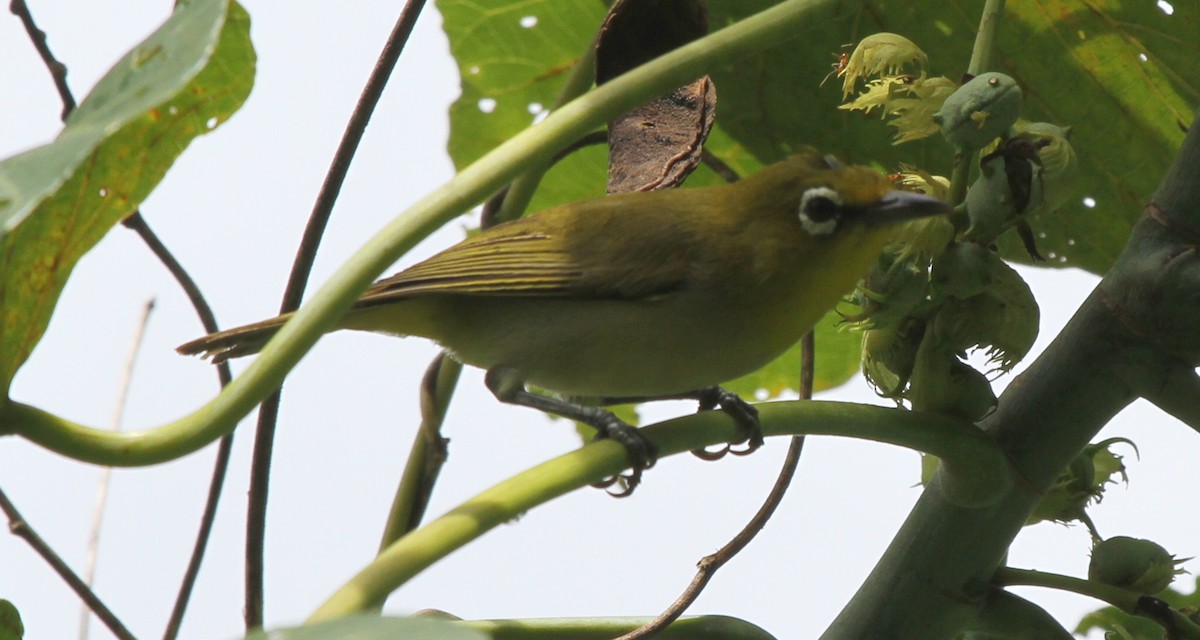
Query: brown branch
[
  {"x": 58, "y": 70},
  {"x": 264, "y": 435},
  {"x": 719, "y": 167},
  {"x": 137, "y": 223},
  {"x": 20, "y": 528}
]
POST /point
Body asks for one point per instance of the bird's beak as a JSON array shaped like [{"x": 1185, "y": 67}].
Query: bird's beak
[{"x": 900, "y": 206}]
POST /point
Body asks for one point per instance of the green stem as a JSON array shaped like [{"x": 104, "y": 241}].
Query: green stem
[
  {"x": 985, "y": 39},
  {"x": 428, "y": 451},
  {"x": 970, "y": 457},
  {"x": 533, "y": 147},
  {"x": 1128, "y": 601},
  {"x": 690, "y": 628},
  {"x": 981, "y": 58},
  {"x": 520, "y": 191},
  {"x": 1123, "y": 599}
]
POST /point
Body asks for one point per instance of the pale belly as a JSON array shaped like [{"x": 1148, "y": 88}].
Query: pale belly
[{"x": 617, "y": 347}]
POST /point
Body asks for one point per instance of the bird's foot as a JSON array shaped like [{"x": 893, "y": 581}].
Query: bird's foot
[
  {"x": 642, "y": 453},
  {"x": 744, "y": 415}
]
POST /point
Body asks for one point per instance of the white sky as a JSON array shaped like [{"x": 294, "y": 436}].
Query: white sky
[{"x": 232, "y": 209}]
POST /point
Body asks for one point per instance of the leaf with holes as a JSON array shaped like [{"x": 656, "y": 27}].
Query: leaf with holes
[
  {"x": 58, "y": 200},
  {"x": 1124, "y": 76}
]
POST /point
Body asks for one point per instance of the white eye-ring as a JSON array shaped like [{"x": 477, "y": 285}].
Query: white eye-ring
[{"x": 820, "y": 210}]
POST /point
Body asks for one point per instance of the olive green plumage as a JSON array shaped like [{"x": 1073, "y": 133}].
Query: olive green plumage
[{"x": 639, "y": 294}]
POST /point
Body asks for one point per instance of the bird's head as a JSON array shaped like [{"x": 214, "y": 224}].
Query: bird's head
[{"x": 829, "y": 198}]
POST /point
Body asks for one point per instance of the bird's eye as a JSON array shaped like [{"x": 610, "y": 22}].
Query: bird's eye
[{"x": 820, "y": 209}]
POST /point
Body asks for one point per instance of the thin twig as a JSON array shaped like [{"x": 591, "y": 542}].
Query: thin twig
[
  {"x": 135, "y": 221},
  {"x": 709, "y": 565},
  {"x": 264, "y": 436},
  {"x": 89, "y": 563},
  {"x": 208, "y": 320},
  {"x": 58, "y": 70},
  {"x": 719, "y": 166},
  {"x": 20, "y": 528}
]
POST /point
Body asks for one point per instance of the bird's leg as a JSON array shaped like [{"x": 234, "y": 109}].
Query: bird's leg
[
  {"x": 508, "y": 387},
  {"x": 743, "y": 413}
]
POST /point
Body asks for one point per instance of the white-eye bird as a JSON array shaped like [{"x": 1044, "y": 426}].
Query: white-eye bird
[{"x": 638, "y": 295}]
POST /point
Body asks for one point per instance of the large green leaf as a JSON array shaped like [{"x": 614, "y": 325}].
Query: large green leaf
[
  {"x": 1078, "y": 63},
  {"x": 513, "y": 58},
  {"x": 58, "y": 200}
]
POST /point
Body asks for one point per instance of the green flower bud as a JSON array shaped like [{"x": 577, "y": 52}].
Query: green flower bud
[
  {"x": 1003, "y": 319},
  {"x": 925, "y": 238},
  {"x": 980, "y": 111},
  {"x": 1134, "y": 564},
  {"x": 1081, "y": 483},
  {"x": 941, "y": 383},
  {"x": 915, "y": 115},
  {"x": 964, "y": 270},
  {"x": 888, "y": 356},
  {"x": 1108, "y": 463},
  {"x": 890, "y": 292},
  {"x": 878, "y": 54},
  {"x": 992, "y": 204},
  {"x": 1058, "y": 168}
]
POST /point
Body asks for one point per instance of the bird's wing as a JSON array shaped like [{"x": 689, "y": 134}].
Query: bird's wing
[{"x": 522, "y": 259}]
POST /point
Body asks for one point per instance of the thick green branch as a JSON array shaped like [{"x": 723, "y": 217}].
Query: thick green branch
[
  {"x": 531, "y": 147},
  {"x": 1179, "y": 395},
  {"x": 968, "y": 455}
]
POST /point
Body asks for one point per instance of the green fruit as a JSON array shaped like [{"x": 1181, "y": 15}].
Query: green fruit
[{"x": 983, "y": 109}]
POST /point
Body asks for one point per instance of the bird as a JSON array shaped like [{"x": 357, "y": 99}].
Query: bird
[{"x": 638, "y": 296}]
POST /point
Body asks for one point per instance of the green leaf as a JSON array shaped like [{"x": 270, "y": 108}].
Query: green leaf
[
  {"x": 58, "y": 200},
  {"x": 373, "y": 627},
  {"x": 513, "y": 58},
  {"x": 11, "y": 627}
]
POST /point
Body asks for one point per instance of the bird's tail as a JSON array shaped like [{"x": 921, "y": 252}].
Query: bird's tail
[{"x": 234, "y": 343}]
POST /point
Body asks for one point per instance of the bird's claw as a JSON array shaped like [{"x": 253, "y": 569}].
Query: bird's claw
[
  {"x": 642, "y": 455},
  {"x": 744, "y": 415}
]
